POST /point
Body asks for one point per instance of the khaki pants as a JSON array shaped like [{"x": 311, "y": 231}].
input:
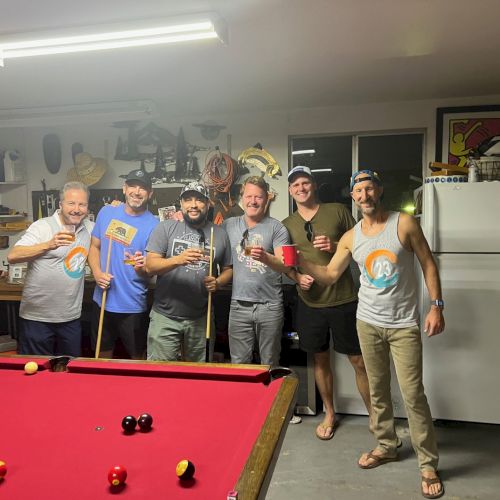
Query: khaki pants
[{"x": 405, "y": 346}]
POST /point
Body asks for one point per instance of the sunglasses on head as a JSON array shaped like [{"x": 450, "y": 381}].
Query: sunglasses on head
[
  {"x": 244, "y": 238},
  {"x": 308, "y": 228}
]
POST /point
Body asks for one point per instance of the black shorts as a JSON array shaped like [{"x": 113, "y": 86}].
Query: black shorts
[
  {"x": 130, "y": 328},
  {"x": 316, "y": 324}
]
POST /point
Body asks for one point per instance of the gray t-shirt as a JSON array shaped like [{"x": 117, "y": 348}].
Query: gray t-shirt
[
  {"x": 181, "y": 293},
  {"x": 253, "y": 281},
  {"x": 53, "y": 288}
]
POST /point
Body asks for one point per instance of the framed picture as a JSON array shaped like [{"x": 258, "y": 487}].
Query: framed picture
[
  {"x": 166, "y": 213},
  {"x": 461, "y": 130}
]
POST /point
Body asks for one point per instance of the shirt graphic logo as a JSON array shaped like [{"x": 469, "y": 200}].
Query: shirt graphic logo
[
  {"x": 121, "y": 231},
  {"x": 251, "y": 264},
  {"x": 381, "y": 269},
  {"x": 191, "y": 240},
  {"x": 74, "y": 263}
]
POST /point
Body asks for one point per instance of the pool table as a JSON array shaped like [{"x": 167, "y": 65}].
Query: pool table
[{"x": 61, "y": 428}]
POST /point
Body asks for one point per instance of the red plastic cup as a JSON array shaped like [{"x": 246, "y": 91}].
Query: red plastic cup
[{"x": 290, "y": 257}]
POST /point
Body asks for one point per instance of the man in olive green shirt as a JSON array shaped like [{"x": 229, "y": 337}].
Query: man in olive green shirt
[{"x": 324, "y": 311}]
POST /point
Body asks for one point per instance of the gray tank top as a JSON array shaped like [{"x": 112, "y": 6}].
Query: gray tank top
[{"x": 388, "y": 292}]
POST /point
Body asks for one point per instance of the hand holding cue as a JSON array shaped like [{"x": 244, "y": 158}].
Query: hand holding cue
[
  {"x": 209, "y": 310},
  {"x": 103, "y": 303}
]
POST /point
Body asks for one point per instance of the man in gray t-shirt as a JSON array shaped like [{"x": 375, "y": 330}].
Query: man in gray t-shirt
[
  {"x": 56, "y": 250},
  {"x": 178, "y": 253},
  {"x": 256, "y": 314}
]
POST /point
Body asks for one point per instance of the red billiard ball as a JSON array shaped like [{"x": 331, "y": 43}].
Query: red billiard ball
[
  {"x": 185, "y": 470},
  {"x": 3, "y": 469},
  {"x": 145, "y": 422},
  {"x": 117, "y": 475},
  {"x": 129, "y": 423}
]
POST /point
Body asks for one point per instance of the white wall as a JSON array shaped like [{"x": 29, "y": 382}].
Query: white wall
[{"x": 271, "y": 128}]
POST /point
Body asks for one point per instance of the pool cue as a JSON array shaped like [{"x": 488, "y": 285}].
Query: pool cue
[
  {"x": 103, "y": 304},
  {"x": 209, "y": 310}
]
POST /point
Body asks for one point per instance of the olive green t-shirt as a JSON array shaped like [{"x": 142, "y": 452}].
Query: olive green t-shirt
[{"x": 334, "y": 220}]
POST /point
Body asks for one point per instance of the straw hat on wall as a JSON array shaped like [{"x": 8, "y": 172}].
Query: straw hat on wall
[{"x": 87, "y": 169}]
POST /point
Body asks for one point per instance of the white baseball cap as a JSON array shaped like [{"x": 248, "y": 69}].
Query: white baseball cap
[{"x": 299, "y": 169}]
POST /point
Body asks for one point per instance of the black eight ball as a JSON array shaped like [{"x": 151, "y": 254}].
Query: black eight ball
[
  {"x": 145, "y": 422},
  {"x": 129, "y": 423}
]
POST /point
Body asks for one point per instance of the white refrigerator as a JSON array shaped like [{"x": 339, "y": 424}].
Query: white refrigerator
[{"x": 462, "y": 365}]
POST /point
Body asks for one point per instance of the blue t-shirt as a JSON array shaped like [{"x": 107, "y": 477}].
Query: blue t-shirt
[{"x": 128, "y": 290}]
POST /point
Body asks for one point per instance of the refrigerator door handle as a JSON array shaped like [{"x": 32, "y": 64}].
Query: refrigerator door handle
[{"x": 430, "y": 215}]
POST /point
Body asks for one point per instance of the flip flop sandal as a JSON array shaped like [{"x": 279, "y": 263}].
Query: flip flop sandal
[
  {"x": 324, "y": 427},
  {"x": 377, "y": 460},
  {"x": 432, "y": 480}
]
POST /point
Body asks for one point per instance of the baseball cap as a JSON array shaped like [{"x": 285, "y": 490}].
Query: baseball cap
[
  {"x": 139, "y": 176},
  {"x": 299, "y": 169},
  {"x": 370, "y": 175},
  {"x": 195, "y": 187}
]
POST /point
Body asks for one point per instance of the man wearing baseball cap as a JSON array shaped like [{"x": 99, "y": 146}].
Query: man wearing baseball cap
[
  {"x": 178, "y": 253},
  {"x": 324, "y": 313},
  {"x": 130, "y": 224},
  {"x": 383, "y": 244}
]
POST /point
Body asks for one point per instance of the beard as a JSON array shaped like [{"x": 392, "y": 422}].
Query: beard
[
  {"x": 195, "y": 221},
  {"x": 371, "y": 209},
  {"x": 136, "y": 204}
]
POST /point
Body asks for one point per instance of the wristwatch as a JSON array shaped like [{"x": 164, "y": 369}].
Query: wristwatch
[{"x": 438, "y": 302}]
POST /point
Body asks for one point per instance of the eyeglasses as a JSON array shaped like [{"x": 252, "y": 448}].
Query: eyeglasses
[
  {"x": 244, "y": 238},
  {"x": 308, "y": 228}
]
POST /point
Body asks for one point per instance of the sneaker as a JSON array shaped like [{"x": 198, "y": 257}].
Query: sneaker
[{"x": 295, "y": 419}]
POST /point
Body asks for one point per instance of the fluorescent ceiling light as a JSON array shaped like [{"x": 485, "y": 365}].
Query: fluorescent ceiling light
[
  {"x": 105, "y": 112},
  {"x": 114, "y": 36},
  {"x": 304, "y": 152},
  {"x": 321, "y": 170}
]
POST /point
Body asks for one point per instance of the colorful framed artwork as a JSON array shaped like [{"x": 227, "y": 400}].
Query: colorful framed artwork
[{"x": 462, "y": 130}]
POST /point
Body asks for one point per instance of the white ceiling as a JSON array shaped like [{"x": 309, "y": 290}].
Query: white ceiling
[{"x": 282, "y": 54}]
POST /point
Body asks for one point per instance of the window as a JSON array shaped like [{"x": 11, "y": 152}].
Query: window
[{"x": 397, "y": 157}]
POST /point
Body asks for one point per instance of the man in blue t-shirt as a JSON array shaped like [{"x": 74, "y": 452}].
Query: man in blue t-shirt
[{"x": 125, "y": 279}]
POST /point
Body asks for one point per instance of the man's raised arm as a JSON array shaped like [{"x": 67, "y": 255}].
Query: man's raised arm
[{"x": 327, "y": 275}]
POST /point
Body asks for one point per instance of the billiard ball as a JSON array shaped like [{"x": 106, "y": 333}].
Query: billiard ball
[
  {"x": 128, "y": 423},
  {"x": 30, "y": 367},
  {"x": 185, "y": 470},
  {"x": 117, "y": 475},
  {"x": 3, "y": 469},
  {"x": 145, "y": 422}
]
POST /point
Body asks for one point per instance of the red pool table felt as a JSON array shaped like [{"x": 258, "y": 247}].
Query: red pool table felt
[{"x": 61, "y": 431}]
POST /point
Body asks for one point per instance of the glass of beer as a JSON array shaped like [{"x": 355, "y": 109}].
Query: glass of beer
[
  {"x": 70, "y": 229},
  {"x": 253, "y": 240},
  {"x": 128, "y": 256}
]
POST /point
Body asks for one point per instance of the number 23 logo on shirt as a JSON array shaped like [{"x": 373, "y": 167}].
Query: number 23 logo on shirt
[{"x": 381, "y": 269}]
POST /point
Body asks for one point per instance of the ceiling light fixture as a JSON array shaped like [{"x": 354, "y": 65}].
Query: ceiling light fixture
[
  {"x": 304, "y": 152},
  {"x": 113, "y": 36},
  {"x": 105, "y": 112}
]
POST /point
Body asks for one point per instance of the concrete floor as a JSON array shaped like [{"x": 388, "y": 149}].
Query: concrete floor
[{"x": 311, "y": 469}]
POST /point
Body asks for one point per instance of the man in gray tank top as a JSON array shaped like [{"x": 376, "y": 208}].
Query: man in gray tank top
[{"x": 383, "y": 244}]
